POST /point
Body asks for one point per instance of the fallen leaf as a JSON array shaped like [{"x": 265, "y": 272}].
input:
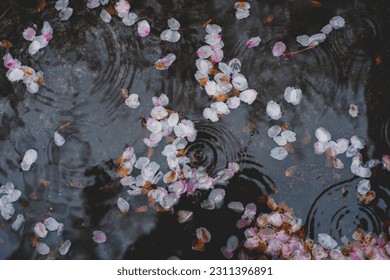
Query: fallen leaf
[
  {"x": 306, "y": 139},
  {"x": 290, "y": 171},
  {"x": 378, "y": 59},
  {"x": 63, "y": 126},
  {"x": 125, "y": 93},
  {"x": 41, "y": 6},
  {"x": 204, "y": 24},
  {"x": 141, "y": 209},
  {"x": 316, "y": 4},
  {"x": 45, "y": 182},
  {"x": 6, "y": 44},
  {"x": 269, "y": 19}
]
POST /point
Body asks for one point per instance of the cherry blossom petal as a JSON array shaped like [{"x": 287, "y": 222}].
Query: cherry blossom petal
[
  {"x": 240, "y": 82},
  {"x": 327, "y": 241},
  {"x": 363, "y": 187},
  {"x": 220, "y": 108},
  {"x": 165, "y": 62},
  {"x": 64, "y": 249},
  {"x": 281, "y": 141},
  {"x": 289, "y": 135},
  {"x": 133, "y": 101},
  {"x": 15, "y": 75},
  {"x": 42, "y": 248},
  {"x": 248, "y": 96},
  {"x": 59, "y": 140},
  {"x": 170, "y": 36},
  {"x": 353, "y": 111},
  {"x": 322, "y": 135},
  {"x": 253, "y": 42},
  {"x": 217, "y": 55},
  {"x": 236, "y": 206},
  {"x": 274, "y": 110},
  {"x": 357, "y": 142},
  {"x": 217, "y": 196},
  {"x": 123, "y": 205},
  {"x": 317, "y": 38},
  {"x": 153, "y": 125},
  {"x": 293, "y": 95},
  {"x": 303, "y": 40},
  {"x": 327, "y": 29},
  {"x": 184, "y": 216},
  {"x": 213, "y": 29},
  {"x": 279, "y": 153},
  {"x": 173, "y": 24},
  {"x": 93, "y": 4},
  {"x": 40, "y": 230},
  {"x": 159, "y": 113},
  {"x": 278, "y": 49},
  {"x": 7, "y": 210},
  {"x": 99, "y": 237},
  {"x": 203, "y": 234},
  {"x": 105, "y": 16},
  {"x": 61, "y": 4},
  {"x": 213, "y": 39},
  {"x": 235, "y": 65},
  {"x": 204, "y": 52},
  {"x": 129, "y": 19},
  {"x": 143, "y": 28},
  {"x": 337, "y": 22},
  {"x": 122, "y": 7},
  {"x": 51, "y": 224},
  {"x": 34, "y": 47},
  {"x": 338, "y": 164},
  {"x": 210, "y": 114},
  {"x": 233, "y": 102},
  {"x": 241, "y": 13},
  {"x": 29, "y": 158},
  {"x": 319, "y": 148},
  {"x": 65, "y": 14},
  {"x": 18, "y": 223},
  {"x": 47, "y": 30},
  {"x": 29, "y": 34}
]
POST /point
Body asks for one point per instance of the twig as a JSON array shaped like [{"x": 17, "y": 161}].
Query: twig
[{"x": 5, "y": 12}]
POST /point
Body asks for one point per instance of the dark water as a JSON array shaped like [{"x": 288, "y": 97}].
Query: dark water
[{"x": 88, "y": 62}]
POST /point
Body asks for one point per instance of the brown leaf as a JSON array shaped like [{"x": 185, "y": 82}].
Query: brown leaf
[
  {"x": 45, "y": 182},
  {"x": 63, "y": 126},
  {"x": 269, "y": 19},
  {"x": 204, "y": 24},
  {"x": 125, "y": 93},
  {"x": 5, "y": 44},
  {"x": 141, "y": 209},
  {"x": 198, "y": 245},
  {"x": 290, "y": 149},
  {"x": 41, "y": 6},
  {"x": 306, "y": 139},
  {"x": 316, "y": 4},
  {"x": 378, "y": 59},
  {"x": 290, "y": 171},
  {"x": 150, "y": 153}
]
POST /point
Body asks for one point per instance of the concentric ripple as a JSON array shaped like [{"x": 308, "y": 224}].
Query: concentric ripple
[
  {"x": 214, "y": 146},
  {"x": 337, "y": 212}
]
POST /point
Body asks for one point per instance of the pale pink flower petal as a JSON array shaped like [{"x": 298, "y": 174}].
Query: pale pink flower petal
[
  {"x": 240, "y": 82},
  {"x": 64, "y": 249},
  {"x": 158, "y": 113},
  {"x": 122, "y": 7},
  {"x": 289, "y": 135},
  {"x": 61, "y": 4},
  {"x": 42, "y": 248},
  {"x": 130, "y": 19},
  {"x": 322, "y": 135},
  {"x": 293, "y": 95},
  {"x": 304, "y": 40},
  {"x": 220, "y": 108},
  {"x": 93, "y": 4},
  {"x": 337, "y": 22},
  {"x": 105, "y": 16},
  {"x": 133, "y": 101},
  {"x": 248, "y": 96},
  {"x": 170, "y": 36},
  {"x": 233, "y": 102},
  {"x": 123, "y": 205},
  {"x": 327, "y": 241},
  {"x": 353, "y": 111},
  {"x": 217, "y": 55},
  {"x": 143, "y": 28},
  {"x": 59, "y": 140},
  {"x": 338, "y": 164},
  {"x": 204, "y": 52},
  {"x": 213, "y": 29},
  {"x": 236, "y": 206},
  {"x": 40, "y": 230},
  {"x": 210, "y": 114},
  {"x": 274, "y": 110},
  {"x": 173, "y": 24},
  {"x": 29, "y": 158},
  {"x": 278, "y": 49},
  {"x": 281, "y": 141},
  {"x": 51, "y": 224},
  {"x": 65, "y": 14},
  {"x": 253, "y": 42},
  {"x": 241, "y": 13},
  {"x": 29, "y": 34},
  {"x": 363, "y": 187},
  {"x": 165, "y": 62},
  {"x": 99, "y": 237},
  {"x": 317, "y": 38},
  {"x": 18, "y": 223},
  {"x": 184, "y": 216},
  {"x": 15, "y": 75},
  {"x": 34, "y": 47},
  {"x": 279, "y": 153},
  {"x": 327, "y": 29}
]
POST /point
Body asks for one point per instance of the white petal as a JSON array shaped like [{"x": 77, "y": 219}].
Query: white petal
[
  {"x": 32, "y": 87},
  {"x": 363, "y": 187},
  {"x": 327, "y": 29},
  {"x": 204, "y": 52},
  {"x": 42, "y": 248},
  {"x": 338, "y": 164},
  {"x": 29, "y": 34},
  {"x": 317, "y": 38},
  {"x": 322, "y": 134},
  {"x": 40, "y": 230},
  {"x": 130, "y": 19},
  {"x": 65, "y": 14},
  {"x": 59, "y": 140},
  {"x": 292, "y": 95},
  {"x": 51, "y": 224},
  {"x": 211, "y": 88},
  {"x": 153, "y": 125},
  {"x": 170, "y": 36},
  {"x": 203, "y": 65},
  {"x": 233, "y": 102},
  {"x": 17, "y": 224},
  {"x": 248, "y": 96},
  {"x": 319, "y": 148},
  {"x": 61, "y": 4},
  {"x": 210, "y": 114},
  {"x": 7, "y": 211},
  {"x": 353, "y": 111},
  {"x": 274, "y": 131},
  {"x": 143, "y": 28},
  {"x": 123, "y": 205},
  {"x": 337, "y": 22},
  {"x": 357, "y": 142},
  {"x": 241, "y": 13},
  {"x": 279, "y": 153},
  {"x": 274, "y": 110},
  {"x": 173, "y": 24},
  {"x": 213, "y": 29},
  {"x": 162, "y": 100},
  {"x": 184, "y": 216},
  {"x": 173, "y": 119},
  {"x": 105, "y": 16},
  {"x": 303, "y": 40},
  {"x": 240, "y": 82},
  {"x": 15, "y": 75},
  {"x": 141, "y": 162},
  {"x": 132, "y": 101},
  {"x": 220, "y": 108},
  {"x": 203, "y": 234},
  {"x": 327, "y": 241},
  {"x": 281, "y": 141},
  {"x": 64, "y": 249},
  {"x": 93, "y": 4},
  {"x": 217, "y": 196},
  {"x": 289, "y": 135},
  {"x": 341, "y": 146},
  {"x": 29, "y": 158},
  {"x": 159, "y": 112}
]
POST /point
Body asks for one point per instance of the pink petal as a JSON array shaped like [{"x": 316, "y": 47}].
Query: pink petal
[
  {"x": 99, "y": 236},
  {"x": 278, "y": 49},
  {"x": 143, "y": 28}
]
